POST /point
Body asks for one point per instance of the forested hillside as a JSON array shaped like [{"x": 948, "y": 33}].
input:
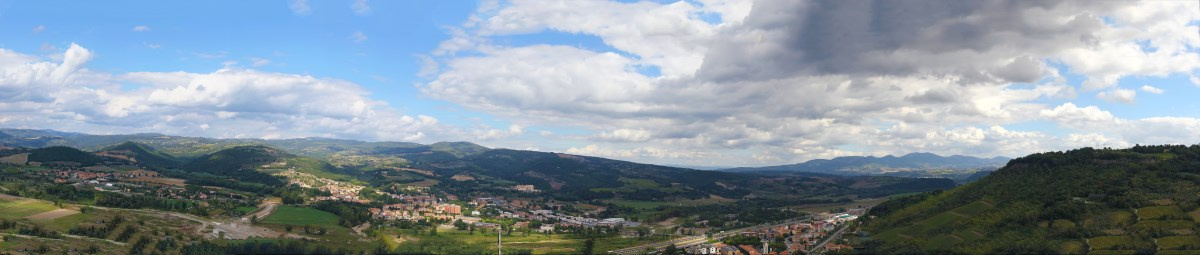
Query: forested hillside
[{"x": 1137, "y": 200}]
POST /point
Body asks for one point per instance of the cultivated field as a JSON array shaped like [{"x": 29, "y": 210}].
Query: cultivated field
[
  {"x": 299, "y": 216},
  {"x": 21, "y": 207}
]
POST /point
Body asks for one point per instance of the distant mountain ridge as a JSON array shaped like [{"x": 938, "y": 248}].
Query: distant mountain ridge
[
  {"x": 911, "y": 165},
  {"x": 461, "y": 167},
  {"x": 185, "y": 147}
]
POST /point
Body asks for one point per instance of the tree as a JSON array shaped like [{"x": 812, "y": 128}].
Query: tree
[
  {"x": 588, "y": 246},
  {"x": 671, "y": 250}
]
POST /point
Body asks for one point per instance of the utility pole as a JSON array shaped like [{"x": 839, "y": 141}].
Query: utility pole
[{"x": 500, "y": 240}]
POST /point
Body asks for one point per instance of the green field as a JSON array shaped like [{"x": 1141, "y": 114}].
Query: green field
[
  {"x": 243, "y": 210},
  {"x": 486, "y": 240},
  {"x": 299, "y": 216},
  {"x": 1168, "y": 212},
  {"x": 62, "y": 224},
  {"x": 19, "y": 208},
  {"x": 635, "y": 184},
  {"x": 827, "y": 207},
  {"x": 1118, "y": 243},
  {"x": 1072, "y": 247},
  {"x": 1179, "y": 243}
]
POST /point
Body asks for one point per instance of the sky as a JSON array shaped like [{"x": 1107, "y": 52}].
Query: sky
[{"x": 697, "y": 82}]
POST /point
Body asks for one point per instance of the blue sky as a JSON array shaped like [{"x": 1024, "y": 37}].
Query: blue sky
[{"x": 706, "y": 82}]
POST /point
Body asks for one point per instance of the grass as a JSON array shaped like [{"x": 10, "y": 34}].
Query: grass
[
  {"x": 827, "y": 207},
  {"x": 15, "y": 209},
  {"x": 299, "y": 216},
  {"x": 974, "y": 208},
  {"x": 942, "y": 242},
  {"x": 62, "y": 224},
  {"x": 538, "y": 243},
  {"x": 635, "y": 184},
  {"x": 1063, "y": 225},
  {"x": 604, "y": 245},
  {"x": 243, "y": 210},
  {"x": 1121, "y": 217},
  {"x": 1149, "y": 225},
  {"x": 937, "y": 221},
  {"x": 1118, "y": 243},
  {"x": 1072, "y": 247},
  {"x": 1160, "y": 212},
  {"x": 1179, "y": 243}
]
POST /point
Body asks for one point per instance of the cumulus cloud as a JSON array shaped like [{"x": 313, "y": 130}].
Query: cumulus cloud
[
  {"x": 793, "y": 80},
  {"x": 38, "y": 93},
  {"x": 39, "y": 29},
  {"x": 1118, "y": 95},
  {"x": 140, "y": 28},
  {"x": 1151, "y": 89}
]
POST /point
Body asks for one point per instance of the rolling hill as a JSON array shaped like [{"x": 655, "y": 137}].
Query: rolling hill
[
  {"x": 911, "y": 165},
  {"x": 1137, "y": 200},
  {"x": 217, "y": 162},
  {"x": 144, "y": 155}
]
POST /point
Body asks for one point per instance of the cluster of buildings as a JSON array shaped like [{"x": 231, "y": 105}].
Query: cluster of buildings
[
  {"x": 407, "y": 211},
  {"x": 526, "y": 188},
  {"x": 339, "y": 191},
  {"x": 567, "y": 220},
  {"x": 800, "y": 236}
]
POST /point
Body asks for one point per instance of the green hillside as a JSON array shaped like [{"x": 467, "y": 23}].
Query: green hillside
[
  {"x": 145, "y": 155},
  {"x": 240, "y": 163},
  {"x": 63, "y": 154},
  {"x": 1137, "y": 200}
]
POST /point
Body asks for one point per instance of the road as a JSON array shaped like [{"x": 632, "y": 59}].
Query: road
[
  {"x": 232, "y": 229},
  {"x": 820, "y": 247},
  {"x": 698, "y": 239},
  {"x": 265, "y": 209}
]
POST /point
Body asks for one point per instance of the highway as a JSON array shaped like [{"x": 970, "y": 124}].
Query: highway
[{"x": 820, "y": 247}]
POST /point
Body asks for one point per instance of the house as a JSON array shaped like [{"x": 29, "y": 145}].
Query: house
[
  {"x": 140, "y": 173},
  {"x": 525, "y": 188},
  {"x": 728, "y": 250}
]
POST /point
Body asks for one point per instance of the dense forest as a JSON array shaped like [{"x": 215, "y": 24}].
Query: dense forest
[{"x": 1140, "y": 199}]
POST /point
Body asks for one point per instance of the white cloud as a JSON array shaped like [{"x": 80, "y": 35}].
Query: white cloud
[
  {"x": 141, "y": 28},
  {"x": 259, "y": 62},
  {"x": 153, "y": 45},
  {"x": 358, "y": 37},
  {"x": 1151, "y": 89},
  {"x": 39, "y": 29},
  {"x": 781, "y": 81},
  {"x": 65, "y": 95},
  {"x": 361, "y": 7},
  {"x": 1194, "y": 79},
  {"x": 1118, "y": 95},
  {"x": 1073, "y": 116},
  {"x": 299, "y": 7}
]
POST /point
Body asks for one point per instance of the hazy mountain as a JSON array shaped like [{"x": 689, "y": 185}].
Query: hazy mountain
[
  {"x": 912, "y": 165},
  {"x": 1139, "y": 200},
  {"x": 219, "y": 162}
]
